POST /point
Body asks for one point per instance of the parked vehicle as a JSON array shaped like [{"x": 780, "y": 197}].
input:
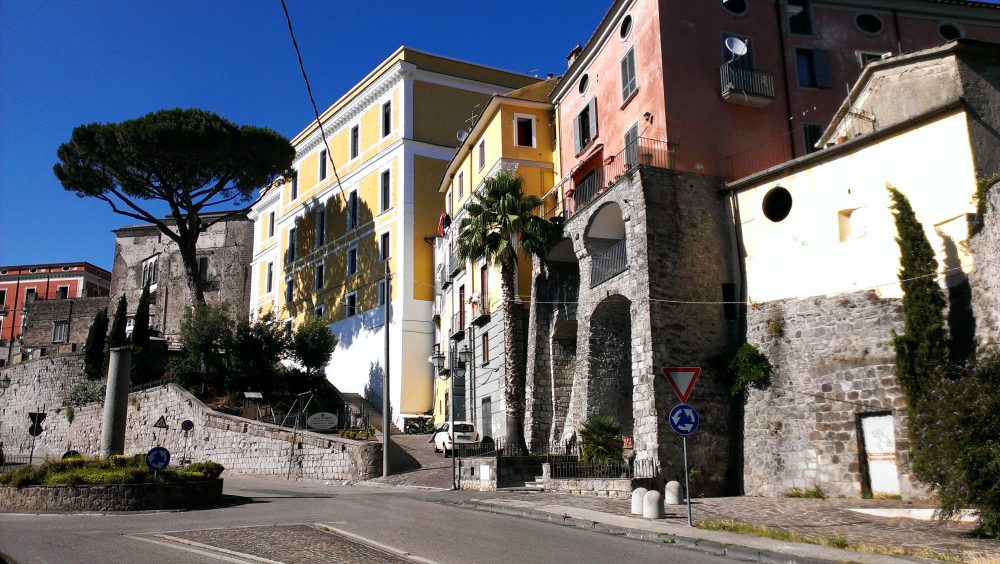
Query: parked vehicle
[
  {"x": 445, "y": 440},
  {"x": 419, "y": 426}
]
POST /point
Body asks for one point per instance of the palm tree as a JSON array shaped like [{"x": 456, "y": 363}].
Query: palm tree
[{"x": 499, "y": 225}]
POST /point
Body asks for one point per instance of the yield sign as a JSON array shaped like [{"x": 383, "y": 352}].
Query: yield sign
[{"x": 682, "y": 379}]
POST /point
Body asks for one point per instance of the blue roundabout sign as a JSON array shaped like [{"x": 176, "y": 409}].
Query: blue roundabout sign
[
  {"x": 683, "y": 419},
  {"x": 157, "y": 458}
]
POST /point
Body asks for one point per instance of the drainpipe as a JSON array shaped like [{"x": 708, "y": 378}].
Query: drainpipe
[
  {"x": 784, "y": 73},
  {"x": 899, "y": 35}
]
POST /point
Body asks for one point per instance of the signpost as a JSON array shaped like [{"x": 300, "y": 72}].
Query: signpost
[
  {"x": 34, "y": 430},
  {"x": 157, "y": 459},
  {"x": 187, "y": 425},
  {"x": 683, "y": 418}
]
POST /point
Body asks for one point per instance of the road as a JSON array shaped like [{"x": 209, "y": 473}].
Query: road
[{"x": 274, "y": 520}]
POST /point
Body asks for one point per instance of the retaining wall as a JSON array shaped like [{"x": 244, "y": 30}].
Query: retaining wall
[{"x": 117, "y": 497}]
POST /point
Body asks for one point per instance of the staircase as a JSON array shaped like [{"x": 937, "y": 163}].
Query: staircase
[
  {"x": 358, "y": 403},
  {"x": 536, "y": 485}
]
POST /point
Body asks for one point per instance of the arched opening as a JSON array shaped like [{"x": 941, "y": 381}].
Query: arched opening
[
  {"x": 605, "y": 243},
  {"x": 609, "y": 387}
]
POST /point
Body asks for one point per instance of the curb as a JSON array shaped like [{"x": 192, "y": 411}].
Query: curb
[{"x": 736, "y": 552}]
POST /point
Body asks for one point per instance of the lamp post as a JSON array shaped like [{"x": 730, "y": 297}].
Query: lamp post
[{"x": 437, "y": 359}]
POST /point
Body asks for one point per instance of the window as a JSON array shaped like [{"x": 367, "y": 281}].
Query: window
[
  {"x": 460, "y": 185},
  {"x": 289, "y": 289},
  {"x": 735, "y": 7},
  {"x": 950, "y": 32},
  {"x": 269, "y": 281},
  {"x": 352, "y": 210},
  {"x": 813, "y": 66},
  {"x": 203, "y": 268},
  {"x": 869, "y": 23},
  {"x": 386, "y": 118},
  {"x": 30, "y": 295},
  {"x": 799, "y": 17},
  {"x": 584, "y": 83},
  {"x": 319, "y": 310},
  {"x": 352, "y": 304},
  {"x": 288, "y": 329},
  {"x": 485, "y": 347},
  {"x": 384, "y": 246},
  {"x": 629, "y": 85},
  {"x": 385, "y": 196},
  {"x": 150, "y": 271},
  {"x": 484, "y": 288},
  {"x": 59, "y": 331},
  {"x": 62, "y": 292},
  {"x": 294, "y": 188},
  {"x": 524, "y": 130},
  {"x": 777, "y": 204},
  {"x": 585, "y": 126},
  {"x": 320, "y": 226},
  {"x": 811, "y": 132},
  {"x": 3, "y": 298},
  {"x": 322, "y": 164},
  {"x": 632, "y": 145},
  {"x": 355, "y": 141},
  {"x": 318, "y": 277},
  {"x": 270, "y": 224},
  {"x": 352, "y": 261},
  {"x": 626, "y": 27},
  {"x": 381, "y": 292},
  {"x": 482, "y": 154},
  {"x": 290, "y": 252}
]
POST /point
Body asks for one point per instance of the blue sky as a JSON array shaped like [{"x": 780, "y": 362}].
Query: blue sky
[{"x": 63, "y": 64}]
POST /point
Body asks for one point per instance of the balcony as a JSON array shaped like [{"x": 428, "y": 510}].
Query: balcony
[
  {"x": 642, "y": 152},
  {"x": 746, "y": 87},
  {"x": 443, "y": 279},
  {"x": 608, "y": 263},
  {"x": 455, "y": 265},
  {"x": 437, "y": 307},
  {"x": 458, "y": 325},
  {"x": 481, "y": 314}
]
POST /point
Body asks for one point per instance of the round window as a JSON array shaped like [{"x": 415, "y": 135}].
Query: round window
[
  {"x": 65, "y": 268},
  {"x": 32, "y": 270},
  {"x": 626, "y": 27},
  {"x": 949, "y": 32},
  {"x": 777, "y": 204},
  {"x": 869, "y": 23},
  {"x": 738, "y": 7},
  {"x": 584, "y": 83}
]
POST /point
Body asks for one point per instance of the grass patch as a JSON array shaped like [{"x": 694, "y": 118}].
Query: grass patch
[
  {"x": 111, "y": 470},
  {"x": 814, "y": 492},
  {"x": 885, "y": 496},
  {"x": 835, "y": 540}
]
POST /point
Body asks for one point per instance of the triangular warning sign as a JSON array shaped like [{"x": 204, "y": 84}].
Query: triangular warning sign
[
  {"x": 682, "y": 379},
  {"x": 161, "y": 423}
]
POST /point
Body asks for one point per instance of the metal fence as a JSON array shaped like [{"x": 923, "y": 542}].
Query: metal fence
[
  {"x": 15, "y": 461},
  {"x": 749, "y": 81},
  {"x": 500, "y": 449},
  {"x": 608, "y": 263},
  {"x": 568, "y": 469}
]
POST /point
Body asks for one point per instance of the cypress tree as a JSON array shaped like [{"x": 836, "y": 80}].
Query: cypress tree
[
  {"x": 141, "y": 355},
  {"x": 117, "y": 337},
  {"x": 93, "y": 360},
  {"x": 922, "y": 350}
]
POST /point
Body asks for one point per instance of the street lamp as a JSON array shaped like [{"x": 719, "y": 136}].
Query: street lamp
[{"x": 4, "y": 384}]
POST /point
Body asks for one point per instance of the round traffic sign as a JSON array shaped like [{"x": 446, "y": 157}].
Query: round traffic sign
[
  {"x": 157, "y": 458},
  {"x": 683, "y": 419},
  {"x": 187, "y": 425}
]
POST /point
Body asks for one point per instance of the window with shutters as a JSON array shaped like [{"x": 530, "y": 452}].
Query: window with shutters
[
  {"x": 352, "y": 210},
  {"x": 320, "y": 226},
  {"x": 355, "y": 141},
  {"x": 352, "y": 261},
  {"x": 385, "y": 195},
  {"x": 585, "y": 126},
  {"x": 632, "y": 145},
  {"x": 813, "y": 66},
  {"x": 482, "y": 154},
  {"x": 386, "y": 119},
  {"x": 629, "y": 84},
  {"x": 460, "y": 184},
  {"x": 270, "y": 277},
  {"x": 270, "y": 224},
  {"x": 59, "y": 331},
  {"x": 384, "y": 246}
]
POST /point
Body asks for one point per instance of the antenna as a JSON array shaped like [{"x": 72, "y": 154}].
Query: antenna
[
  {"x": 462, "y": 135},
  {"x": 738, "y": 47}
]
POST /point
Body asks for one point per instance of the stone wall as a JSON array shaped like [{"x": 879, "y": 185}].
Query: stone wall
[
  {"x": 37, "y": 385},
  {"x": 985, "y": 279},
  {"x": 833, "y": 363},
  {"x": 77, "y": 312},
  {"x": 119, "y": 497}
]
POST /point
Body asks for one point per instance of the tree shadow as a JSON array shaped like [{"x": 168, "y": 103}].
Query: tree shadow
[
  {"x": 961, "y": 319},
  {"x": 373, "y": 389}
]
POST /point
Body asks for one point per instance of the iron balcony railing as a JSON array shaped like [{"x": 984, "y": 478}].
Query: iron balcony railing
[
  {"x": 639, "y": 153},
  {"x": 482, "y": 310},
  {"x": 455, "y": 264},
  {"x": 745, "y": 81},
  {"x": 457, "y": 323},
  {"x": 608, "y": 263},
  {"x": 444, "y": 280}
]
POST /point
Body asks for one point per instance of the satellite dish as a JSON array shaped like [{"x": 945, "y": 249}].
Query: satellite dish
[
  {"x": 736, "y": 46},
  {"x": 462, "y": 135}
]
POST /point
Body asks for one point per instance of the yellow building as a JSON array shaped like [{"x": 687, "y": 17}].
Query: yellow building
[
  {"x": 363, "y": 199},
  {"x": 515, "y": 132}
]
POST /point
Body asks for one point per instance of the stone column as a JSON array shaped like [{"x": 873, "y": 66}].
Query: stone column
[{"x": 116, "y": 403}]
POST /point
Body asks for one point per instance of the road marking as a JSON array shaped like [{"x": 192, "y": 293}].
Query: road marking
[
  {"x": 214, "y": 555},
  {"x": 370, "y": 542}
]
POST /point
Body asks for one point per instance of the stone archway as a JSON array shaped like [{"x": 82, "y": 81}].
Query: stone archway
[{"x": 609, "y": 384}]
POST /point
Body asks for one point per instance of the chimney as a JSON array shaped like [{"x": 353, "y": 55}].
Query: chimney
[{"x": 571, "y": 58}]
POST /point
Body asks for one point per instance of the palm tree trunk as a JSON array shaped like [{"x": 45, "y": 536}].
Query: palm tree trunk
[{"x": 515, "y": 369}]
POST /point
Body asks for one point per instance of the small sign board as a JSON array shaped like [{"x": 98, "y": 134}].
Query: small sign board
[
  {"x": 682, "y": 380},
  {"x": 324, "y": 421},
  {"x": 187, "y": 425},
  {"x": 161, "y": 423},
  {"x": 157, "y": 458},
  {"x": 683, "y": 419}
]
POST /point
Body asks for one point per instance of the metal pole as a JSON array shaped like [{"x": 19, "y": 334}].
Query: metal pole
[
  {"x": 451, "y": 425},
  {"x": 385, "y": 377},
  {"x": 687, "y": 487}
]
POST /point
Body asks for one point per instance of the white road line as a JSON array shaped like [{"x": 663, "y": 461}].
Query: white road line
[
  {"x": 188, "y": 549},
  {"x": 207, "y": 550},
  {"x": 370, "y": 542}
]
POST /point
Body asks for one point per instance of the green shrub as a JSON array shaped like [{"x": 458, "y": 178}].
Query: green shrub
[
  {"x": 749, "y": 368},
  {"x": 601, "y": 440},
  {"x": 211, "y": 470},
  {"x": 814, "y": 492},
  {"x": 24, "y": 476},
  {"x": 113, "y": 470},
  {"x": 87, "y": 392},
  {"x": 64, "y": 465}
]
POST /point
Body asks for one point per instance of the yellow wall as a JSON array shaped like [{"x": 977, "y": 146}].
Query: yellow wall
[
  {"x": 443, "y": 111},
  {"x": 804, "y": 254},
  {"x": 427, "y": 202}
]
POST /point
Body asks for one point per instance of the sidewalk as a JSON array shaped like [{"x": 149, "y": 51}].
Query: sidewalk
[{"x": 812, "y": 518}]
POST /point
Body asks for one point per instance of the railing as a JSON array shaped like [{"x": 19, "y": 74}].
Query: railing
[
  {"x": 745, "y": 81},
  {"x": 608, "y": 263},
  {"x": 567, "y": 469},
  {"x": 455, "y": 264},
  {"x": 483, "y": 308},
  {"x": 641, "y": 152},
  {"x": 500, "y": 449},
  {"x": 760, "y": 157},
  {"x": 444, "y": 280},
  {"x": 150, "y": 384},
  {"x": 14, "y": 461},
  {"x": 458, "y": 322}
]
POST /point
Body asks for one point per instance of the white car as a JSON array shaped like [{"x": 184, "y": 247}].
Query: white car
[{"x": 465, "y": 434}]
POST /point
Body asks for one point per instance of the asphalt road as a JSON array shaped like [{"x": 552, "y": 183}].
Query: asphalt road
[{"x": 274, "y": 520}]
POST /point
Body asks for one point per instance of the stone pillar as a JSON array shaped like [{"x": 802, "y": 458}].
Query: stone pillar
[{"x": 116, "y": 403}]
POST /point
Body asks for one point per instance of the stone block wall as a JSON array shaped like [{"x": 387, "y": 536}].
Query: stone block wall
[
  {"x": 833, "y": 362},
  {"x": 985, "y": 279},
  {"x": 117, "y": 497},
  {"x": 37, "y": 385},
  {"x": 77, "y": 312}
]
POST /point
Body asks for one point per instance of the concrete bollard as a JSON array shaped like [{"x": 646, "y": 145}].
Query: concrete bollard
[
  {"x": 637, "y": 496},
  {"x": 116, "y": 403},
  {"x": 672, "y": 494},
  {"x": 652, "y": 505}
]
